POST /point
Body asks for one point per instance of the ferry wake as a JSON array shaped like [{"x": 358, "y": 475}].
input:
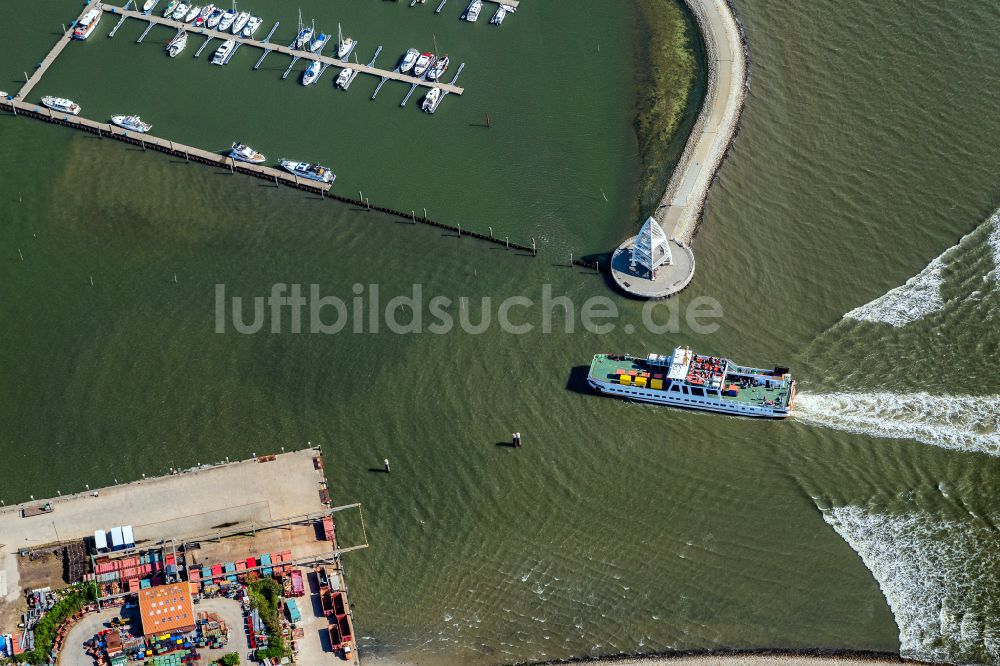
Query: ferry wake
[{"x": 693, "y": 381}]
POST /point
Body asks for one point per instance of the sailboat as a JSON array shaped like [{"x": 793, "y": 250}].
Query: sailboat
[
  {"x": 177, "y": 44},
  {"x": 304, "y": 35},
  {"x": 344, "y": 46}
]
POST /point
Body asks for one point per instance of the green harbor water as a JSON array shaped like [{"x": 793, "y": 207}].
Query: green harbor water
[{"x": 868, "y": 148}]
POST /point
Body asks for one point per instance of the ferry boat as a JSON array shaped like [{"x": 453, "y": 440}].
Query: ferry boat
[
  {"x": 177, "y": 44},
  {"x": 439, "y": 68},
  {"x": 203, "y": 15},
  {"x": 241, "y": 20},
  {"x": 310, "y": 171},
  {"x": 169, "y": 9},
  {"x": 472, "y": 13},
  {"x": 344, "y": 44},
  {"x": 431, "y": 100},
  {"x": 251, "y": 26},
  {"x": 87, "y": 24},
  {"x": 180, "y": 11},
  {"x": 409, "y": 59},
  {"x": 320, "y": 41},
  {"x": 311, "y": 72},
  {"x": 214, "y": 18},
  {"x": 245, "y": 153},
  {"x": 423, "y": 63},
  {"x": 61, "y": 104},
  {"x": 695, "y": 381},
  {"x": 133, "y": 123},
  {"x": 192, "y": 13},
  {"x": 227, "y": 20},
  {"x": 222, "y": 53},
  {"x": 344, "y": 78},
  {"x": 147, "y": 6}
]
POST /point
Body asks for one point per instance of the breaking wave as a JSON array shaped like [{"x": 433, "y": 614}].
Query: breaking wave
[
  {"x": 937, "y": 576},
  {"x": 921, "y": 294},
  {"x": 967, "y": 423}
]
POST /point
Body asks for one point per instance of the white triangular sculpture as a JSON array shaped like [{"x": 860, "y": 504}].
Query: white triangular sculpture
[{"x": 651, "y": 248}]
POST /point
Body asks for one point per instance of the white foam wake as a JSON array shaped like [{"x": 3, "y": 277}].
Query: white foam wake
[
  {"x": 994, "y": 241},
  {"x": 968, "y": 423},
  {"x": 939, "y": 577}
]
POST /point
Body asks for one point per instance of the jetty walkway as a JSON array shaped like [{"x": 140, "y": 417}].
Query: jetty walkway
[{"x": 277, "y": 48}]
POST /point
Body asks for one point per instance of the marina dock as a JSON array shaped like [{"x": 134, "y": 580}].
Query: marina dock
[
  {"x": 46, "y": 62},
  {"x": 269, "y": 47}
]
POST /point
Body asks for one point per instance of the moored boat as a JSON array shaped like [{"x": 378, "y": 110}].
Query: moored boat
[
  {"x": 147, "y": 6},
  {"x": 203, "y": 16},
  {"x": 213, "y": 19},
  {"x": 245, "y": 153},
  {"x": 439, "y": 68},
  {"x": 227, "y": 20},
  {"x": 315, "y": 172},
  {"x": 311, "y": 72},
  {"x": 431, "y": 100},
  {"x": 472, "y": 13},
  {"x": 222, "y": 53},
  {"x": 61, "y": 104},
  {"x": 133, "y": 123},
  {"x": 177, "y": 44},
  {"x": 423, "y": 63},
  {"x": 241, "y": 20},
  {"x": 409, "y": 59},
  {"x": 251, "y": 26},
  {"x": 87, "y": 24},
  {"x": 318, "y": 43},
  {"x": 192, "y": 13},
  {"x": 344, "y": 78},
  {"x": 169, "y": 9},
  {"x": 180, "y": 11},
  {"x": 500, "y": 15},
  {"x": 695, "y": 381}
]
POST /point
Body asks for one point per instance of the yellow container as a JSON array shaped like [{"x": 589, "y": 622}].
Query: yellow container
[
  {"x": 626, "y": 379},
  {"x": 640, "y": 381},
  {"x": 656, "y": 383}
]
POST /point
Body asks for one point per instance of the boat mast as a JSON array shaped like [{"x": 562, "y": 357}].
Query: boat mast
[{"x": 340, "y": 38}]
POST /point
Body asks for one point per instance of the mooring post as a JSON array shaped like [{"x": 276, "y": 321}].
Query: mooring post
[
  {"x": 413, "y": 213},
  {"x": 571, "y": 258},
  {"x": 232, "y": 162},
  {"x": 142, "y": 143},
  {"x": 534, "y": 251},
  {"x": 597, "y": 266},
  {"x": 507, "y": 240},
  {"x": 491, "y": 232},
  {"x": 425, "y": 213},
  {"x": 460, "y": 231},
  {"x": 368, "y": 203},
  {"x": 361, "y": 196},
  {"x": 25, "y": 77}
]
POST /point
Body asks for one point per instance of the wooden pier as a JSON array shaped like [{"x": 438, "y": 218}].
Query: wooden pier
[
  {"x": 36, "y": 76},
  {"x": 286, "y": 50}
]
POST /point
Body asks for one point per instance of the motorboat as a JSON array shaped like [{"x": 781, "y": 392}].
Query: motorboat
[
  {"x": 227, "y": 20},
  {"x": 214, "y": 18},
  {"x": 240, "y": 22},
  {"x": 203, "y": 15},
  {"x": 311, "y": 72},
  {"x": 169, "y": 9},
  {"x": 409, "y": 58},
  {"x": 431, "y": 100},
  {"x": 344, "y": 78},
  {"x": 320, "y": 41},
  {"x": 61, "y": 104},
  {"x": 133, "y": 123},
  {"x": 500, "y": 15},
  {"x": 147, "y": 6},
  {"x": 180, "y": 11},
  {"x": 192, "y": 13},
  {"x": 222, "y": 53},
  {"x": 472, "y": 13},
  {"x": 251, "y": 26},
  {"x": 85, "y": 27},
  {"x": 423, "y": 63},
  {"x": 311, "y": 171},
  {"x": 245, "y": 153},
  {"x": 177, "y": 44},
  {"x": 439, "y": 68}
]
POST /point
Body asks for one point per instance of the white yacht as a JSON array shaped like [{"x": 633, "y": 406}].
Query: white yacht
[
  {"x": 147, "y": 6},
  {"x": 310, "y": 171},
  {"x": 169, "y": 9},
  {"x": 227, "y": 20},
  {"x": 251, "y": 26},
  {"x": 409, "y": 58},
  {"x": 203, "y": 16},
  {"x": 223, "y": 52},
  {"x": 192, "y": 13},
  {"x": 240, "y": 22},
  {"x": 500, "y": 15},
  {"x": 423, "y": 63},
  {"x": 133, "y": 123},
  {"x": 245, "y": 153},
  {"x": 61, "y": 104},
  {"x": 214, "y": 18},
  {"x": 87, "y": 24},
  {"x": 320, "y": 41},
  {"x": 439, "y": 68},
  {"x": 180, "y": 11},
  {"x": 344, "y": 78},
  {"x": 344, "y": 44},
  {"x": 177, "y": 44},
  {"x": 431, "y": 100},
  {"x": 311, "y": 72},
  {"x": 472, "y": 13}
]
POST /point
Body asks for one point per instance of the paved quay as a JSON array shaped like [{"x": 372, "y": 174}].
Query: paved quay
[{"x": 681, "y": 206}]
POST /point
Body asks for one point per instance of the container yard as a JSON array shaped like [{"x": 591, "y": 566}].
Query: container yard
[{"x": 234, "y": 568}]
